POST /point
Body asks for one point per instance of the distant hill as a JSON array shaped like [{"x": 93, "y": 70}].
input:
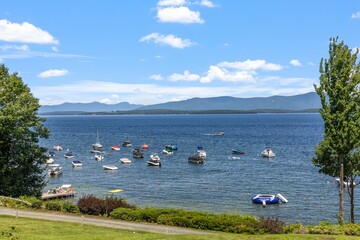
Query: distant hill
[
  {"x": 275, "y": 103},
  {"x": 298, "y": 102},
  {"x": 88, "y": 107}
]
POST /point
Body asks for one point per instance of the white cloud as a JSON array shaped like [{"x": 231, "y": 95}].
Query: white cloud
[
  {"x": 186, "y": 76},
  {"x": 25, "y": 33},
  {"x": 295, "y": 63},
  {"x": 156, "y": 77},
  {"x": 251, "y": 65},
  {"x": 207, "y": 3},
  {"x": 217, "y": 73},
  {"x": 169, "y": 40},
  {"x": 179, "y": 15},
  {"x": 353, "y": 51},
  {"x": 53, "y": 73},
  {"x": 166, "y": 3},
  {"x": 15, "y": 47},
  {"x": 111, "y": 100},
  {"x": 355, "y": 15}
]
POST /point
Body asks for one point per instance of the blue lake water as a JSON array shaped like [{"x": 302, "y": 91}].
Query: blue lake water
[{"x": 220, "y": 184}]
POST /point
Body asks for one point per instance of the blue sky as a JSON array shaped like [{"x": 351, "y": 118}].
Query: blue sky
[{"x": 155, "y": 51}]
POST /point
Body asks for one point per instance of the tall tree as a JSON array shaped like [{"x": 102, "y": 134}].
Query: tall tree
[
  {"x": 21, "y": 158},
  {"x": 338, "y": 91}
]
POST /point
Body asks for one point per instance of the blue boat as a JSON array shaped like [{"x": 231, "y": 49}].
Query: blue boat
[
  {"x": 238, "y": 151},
  {"x": 269, "y": 199}
]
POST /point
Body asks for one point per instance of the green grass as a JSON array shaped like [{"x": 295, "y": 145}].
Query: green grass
[{"x": 25, "y": 228}]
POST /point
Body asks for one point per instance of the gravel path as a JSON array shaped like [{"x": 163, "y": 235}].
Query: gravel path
[{"x": 99, "y": 222}]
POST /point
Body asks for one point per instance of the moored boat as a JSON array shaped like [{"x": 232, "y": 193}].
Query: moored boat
[
  {"x": 268, "y": 153},
  {"x": 346, "y": 182},
  {"x": 57, "y": 148},
  {"x": 126, "y": 144},
  {"x": 69, "y": 155},
  {"x": 197, "y": 159},
  {"x": 238, "y": 151},
  {"x": 168, "y": 150},
  {"x": 145, "y": 146},
  {"x": 125, "y": 160},
  {"x": 137, "y": 153},
  {"x": 115, "y": 148},
  {"x": 201, "y": 152},
  {"x": 99, "y": 157},
  {"x": 110, "y": 167},
  {"x": 154, "y": 160},
  {"x": 49, "y": 160},
  {"x": 55, "y": 171},
  {"x": 76, "y": 163}
]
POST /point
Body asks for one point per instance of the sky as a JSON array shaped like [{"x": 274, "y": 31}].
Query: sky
[{"x": 156, "y": 51}]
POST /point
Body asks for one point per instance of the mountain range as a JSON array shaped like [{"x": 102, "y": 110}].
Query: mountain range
[{"x": 293, "y": 103}]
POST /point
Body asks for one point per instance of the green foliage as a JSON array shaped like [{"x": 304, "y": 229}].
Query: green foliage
[
  {"x": 53, "y": 205},
  {"x": 36, "y": 204},
  {"x": 296, "y": 228},
  {"x": 69, "y": 207},
  {"x": 192, "y": 219},
  {"x": 21, "y": 159}
]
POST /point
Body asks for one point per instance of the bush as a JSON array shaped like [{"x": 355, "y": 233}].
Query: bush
[
  {"x": 351, "y": 229},
  {"x": 92, "y": 205},
  {"x": 36, "y": 204},
  {"x": 70, "y": 207},
  {"x": 53, "y": 205},
  {"x": 325, "y": 228},
  {"x": 126, "y": 214},
  {"x": 271, "y": 225},
  {"x": 296, "y": 228}
]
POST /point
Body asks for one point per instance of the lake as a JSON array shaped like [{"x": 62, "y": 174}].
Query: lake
[{"x": 220, "y": 184}]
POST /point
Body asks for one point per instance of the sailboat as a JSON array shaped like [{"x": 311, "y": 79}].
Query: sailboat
[{"x": 97, "y": 147}]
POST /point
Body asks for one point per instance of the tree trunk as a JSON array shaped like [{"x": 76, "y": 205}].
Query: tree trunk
[
  {"x": 341, "y": 191},
  {"x": 352, "y": 207}
]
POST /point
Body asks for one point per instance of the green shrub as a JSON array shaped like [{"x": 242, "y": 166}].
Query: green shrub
[
  {"x": 351, "y": 229},
  {"x": 53, "y": 205},
  {"x": 70, "y": 207},
  {"x": 325, "y": 228},
  {"x": 296, "y": 228},
  {"x": 36, "y": 204},
  {"x": 111, "y": 203},
  {"x": 126, "y": 214}
]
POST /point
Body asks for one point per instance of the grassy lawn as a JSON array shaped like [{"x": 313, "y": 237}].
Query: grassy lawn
[{"x": 25, "y": 228}]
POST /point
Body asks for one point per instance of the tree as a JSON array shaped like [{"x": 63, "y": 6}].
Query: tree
[
  {"x": 21, "y": 158},
  {"x": 338, "y": 91}
]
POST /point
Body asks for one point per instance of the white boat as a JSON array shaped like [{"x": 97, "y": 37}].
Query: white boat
[
  {"x": 234, "y": 158},
  {"x": 55, "y": 171},
  {"x": 201, "y": 152},
  {"x": 76, "y": 163},
  {"x": 57, "y": 148},
  {"x": 97, "y": 145},
  {"x": 346, "y": 182},
  {"x": 168, "y": 150},
  {"x": 197, "y": 159},
  {"x": 54, "y": 165},
  {"x": 154, "y": 160},
  {"x": 69, "y": 155},
  {"x": 110, "y": 167},
  {"x": 49, "y": 161},
  {"x": 267, "y": 152},
  {"x": 99, "y": 157},
  {"x": 126, "y": 144},
  {"x": 125, "y": 160}
]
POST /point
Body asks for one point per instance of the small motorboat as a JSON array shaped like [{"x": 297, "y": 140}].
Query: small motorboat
[
  {"x": 168, "y": 150},
  {"x": 137, "y": 153},
  {"x": 110, "y": 167},
  {"x": 154, "y": 160},
  {"x": 197, "y": 159},
  {"x": 57, "y": 148},
  {"x": 238, "y": 151},
  {"x": 76, "y": 163},
  {"x": 99, "y": 157},
  {"x": 69, "y": 155},
  {"x": 126, "y": 144},
  {"x": 54, "y": 165},
  {"x": 49, "y": 160},
  {"x": 201, "y": 152},
  {"x": 115, "y": 148},
  {"x": 346, "y": 182},
  {"x": 55, "y": 171},
  {"x": 125, "y": 160},
  {"x": 145, "y": 146},
  {"x": 97, "y": 145},
  {"x": 51, "y": 153},
  {"x": 220, "y": 133},
  {"x": 234, "y": 158},
  {"x": 269, "y": 199},
  {"x": 268, "y": 153}
]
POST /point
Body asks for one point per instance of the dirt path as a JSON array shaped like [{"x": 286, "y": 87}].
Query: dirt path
[{"x": 99, "y": 222}]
